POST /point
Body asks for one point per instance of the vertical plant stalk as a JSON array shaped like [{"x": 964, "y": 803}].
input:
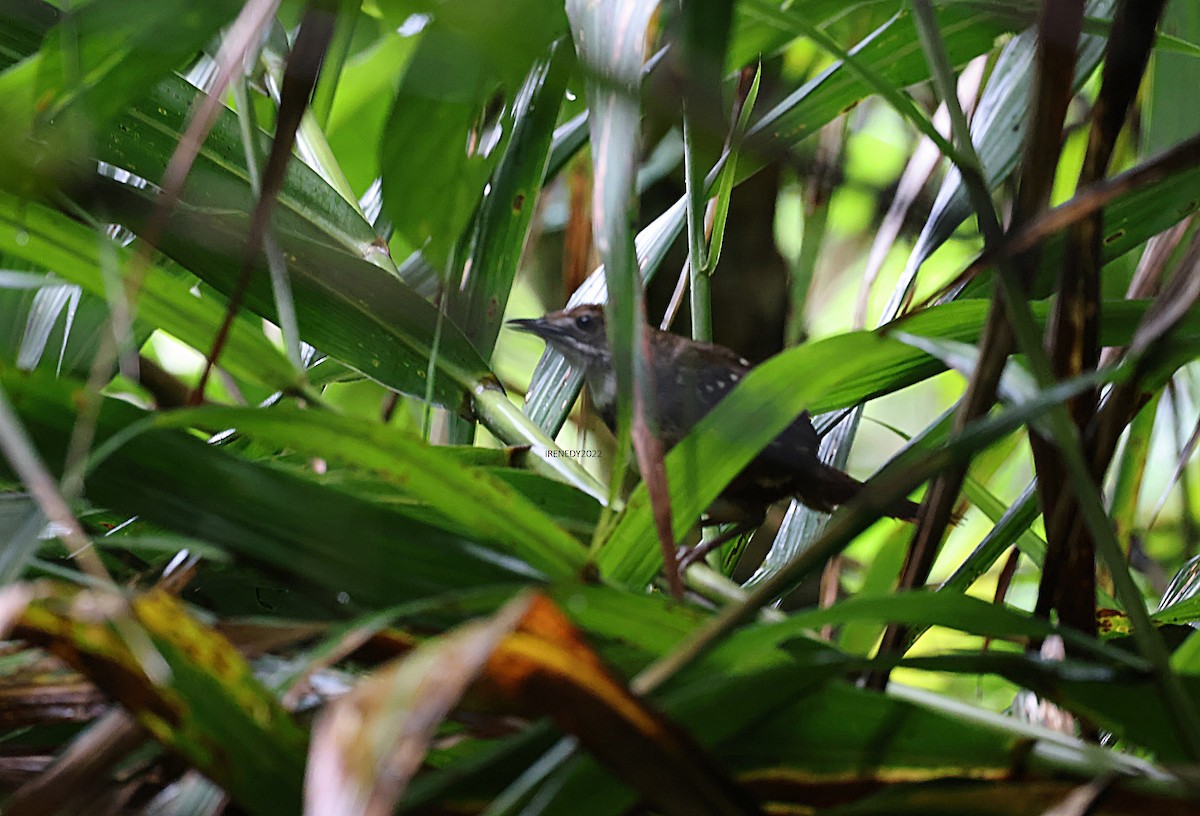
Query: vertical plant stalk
[
  {"x": 704, "y": 39},
  {"x": 699, "y": 295},
  {"x": 1059, "y": 25},
  {"x": 1068, "y": 581}
]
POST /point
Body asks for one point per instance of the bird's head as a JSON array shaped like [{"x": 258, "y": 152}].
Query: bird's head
[{"x": 578, "y": 333}]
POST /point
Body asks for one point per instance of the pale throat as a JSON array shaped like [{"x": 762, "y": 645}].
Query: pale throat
[{"x": 602, "y": 382}]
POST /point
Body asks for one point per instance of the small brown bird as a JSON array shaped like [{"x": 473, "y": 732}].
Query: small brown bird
[{"x": 690, "y": 378}]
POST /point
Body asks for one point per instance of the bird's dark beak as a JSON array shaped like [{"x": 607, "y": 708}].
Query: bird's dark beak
[
  {"x": 538, "y": 326},
  {"x": 525, "y": 324}
]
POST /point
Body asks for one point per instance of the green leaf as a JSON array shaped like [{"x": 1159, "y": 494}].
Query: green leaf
[
  {"x": 104, "y": 54},
  {"x": 1170, "y": 118},
  {"x": 998, "y": 128},
  {"x": 479, "y": 505},
  {"x": 891, "y": 52},
  {"x": 26, "y": 24},
  {"x": 762, "y": 27},
  {"x": 502, "y": 223},
  {"x": 438, "y": 147},
  {"x": 365, "y": 91},
  {"x": 346, "y": 307},
  {"x": 143, "y": 138},
  {"x": 288, "y": 525},
  {"x": 75, "y": 253}
]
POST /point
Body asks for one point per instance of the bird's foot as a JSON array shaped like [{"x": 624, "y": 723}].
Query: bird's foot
[{"x": 690, "y": 555}]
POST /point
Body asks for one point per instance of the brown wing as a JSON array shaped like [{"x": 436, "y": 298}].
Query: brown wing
[{"x": 691, "y": 379}]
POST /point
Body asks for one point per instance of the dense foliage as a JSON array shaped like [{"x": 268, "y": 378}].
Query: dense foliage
[{"x": 289, "y": 523}]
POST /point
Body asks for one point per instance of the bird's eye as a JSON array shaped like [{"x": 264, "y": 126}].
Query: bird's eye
[{"x": 584, "y": 322}]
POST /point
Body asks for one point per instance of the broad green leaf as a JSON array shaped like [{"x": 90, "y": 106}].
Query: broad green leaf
[
  {"x": 440, "y": 145},
  {"x": 477, "y": 503},
  {"x": 97, "y": 59},
  {"x": 998, "y": 129},
  {"x": 290, "y": 526},
  {"x": 761, "y": 27},
  {"x": 506, "y": 212},
  {"x": 962, "y": 322},
  {"x": 105, "y": 54},
  {"x": 361, "y": 314},
  {"x": 892, "y": 52},
  {"x": 144, "y": 136},
  {"x": 572, "y": 509},
  {"x": 75, "y": 253},
  {"x": 1170, "y": 118},
  {"x": 364, "y": 95},
  {"x": 26, "y": 24},
  {"x": 345, "y": 306},
  {"x": 1186, "y": 610}
]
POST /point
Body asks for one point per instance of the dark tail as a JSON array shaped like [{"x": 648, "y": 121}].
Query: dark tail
[{"x": 831, "y": 488}]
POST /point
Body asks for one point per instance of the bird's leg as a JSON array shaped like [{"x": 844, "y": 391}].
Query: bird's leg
[{"x": 746, "y": 522}]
